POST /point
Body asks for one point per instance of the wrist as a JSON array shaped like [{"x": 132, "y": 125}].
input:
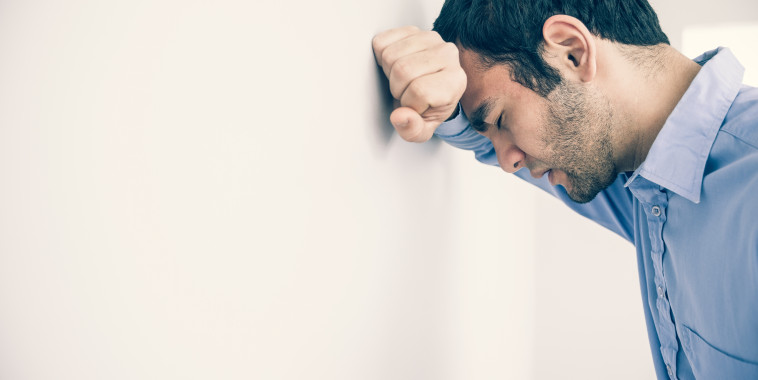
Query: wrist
[{"x": 456, "y": 111}]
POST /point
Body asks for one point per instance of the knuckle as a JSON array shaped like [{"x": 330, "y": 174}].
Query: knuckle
[
  {"x": 450, "y": 98},
  {"x": 417, "y": 91},
  {"x": 396, "y": 88},
  {"x": 377, "y": 43},
  {"x": 401, "y": 69},
  {"x": 389, "y": 56}
]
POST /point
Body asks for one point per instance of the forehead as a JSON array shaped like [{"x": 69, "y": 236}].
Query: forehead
[{"x": 484, "y": 83}]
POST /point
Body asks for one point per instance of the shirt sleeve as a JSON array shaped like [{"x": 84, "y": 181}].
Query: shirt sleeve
[
  {"x": 611, "y": 208},
  {"x": 458, "y": 133}
]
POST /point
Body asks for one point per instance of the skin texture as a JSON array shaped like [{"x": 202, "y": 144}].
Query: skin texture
[
  {"x": 567, "y": 133},
  {"x": 577, "y": 132},
  {"x": 601, "y": 120},
  {"x": 425, "y": 76}
]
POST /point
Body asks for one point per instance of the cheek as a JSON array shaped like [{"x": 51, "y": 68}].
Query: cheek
[
  {"x": 527, "y": 117},
  {"x": 528, "y": 132}
]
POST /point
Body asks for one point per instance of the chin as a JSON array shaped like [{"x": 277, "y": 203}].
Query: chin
[
  {"x": 582, "y": 197},
  {"x": 588, "y": 190}
]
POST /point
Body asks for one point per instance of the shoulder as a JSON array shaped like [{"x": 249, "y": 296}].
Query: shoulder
[
  {"x": 741, "y": 120},
  {"x": 734, "y": 153}
]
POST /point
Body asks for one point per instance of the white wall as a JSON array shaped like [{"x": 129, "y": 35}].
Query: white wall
[
  {"x": 211, "y": 190},
  {"x": 196, "y": 189}
]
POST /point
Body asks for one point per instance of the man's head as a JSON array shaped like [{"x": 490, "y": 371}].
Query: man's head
[
  {"x": 511, "y": 31},
  {"x": 533, "y": 81}
]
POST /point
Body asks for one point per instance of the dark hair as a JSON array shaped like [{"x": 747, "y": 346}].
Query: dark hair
[{"x": 510, "y": 31}]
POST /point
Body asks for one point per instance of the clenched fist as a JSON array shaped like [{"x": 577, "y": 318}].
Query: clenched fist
[{"x": 425, "y": 76}]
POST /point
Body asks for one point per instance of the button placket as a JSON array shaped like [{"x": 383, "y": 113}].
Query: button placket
[
  {"x": 653, "y": 201},
  {"x": 656, "y": 217}
]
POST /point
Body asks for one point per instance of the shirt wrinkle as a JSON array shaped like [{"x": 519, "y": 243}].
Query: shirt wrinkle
[
  {"x": 677, "y": 158},
  {"x": 693, "y": 230}
]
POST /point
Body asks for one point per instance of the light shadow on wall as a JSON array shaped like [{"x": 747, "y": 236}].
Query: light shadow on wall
[{"x": 385, "y": 105}]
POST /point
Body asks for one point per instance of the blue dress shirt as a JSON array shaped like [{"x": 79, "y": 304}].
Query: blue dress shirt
[{"x": 691, "y": 210}]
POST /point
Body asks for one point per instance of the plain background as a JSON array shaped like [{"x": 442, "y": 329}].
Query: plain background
[{"x": 197, "y": 189}]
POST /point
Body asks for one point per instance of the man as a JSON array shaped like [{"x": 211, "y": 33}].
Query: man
[{"x": 591, "y": 101}]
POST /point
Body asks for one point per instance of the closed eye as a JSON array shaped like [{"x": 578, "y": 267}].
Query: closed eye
[{"x": 500, "y": 125}]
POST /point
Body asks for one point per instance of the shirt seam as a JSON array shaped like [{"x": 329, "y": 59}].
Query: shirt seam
[
  {"x": 740, "y": 139},
  {"x": 462, "y": 131}
]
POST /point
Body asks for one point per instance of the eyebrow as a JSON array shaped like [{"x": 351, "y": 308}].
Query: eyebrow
[{"x": 481, "y": 113}]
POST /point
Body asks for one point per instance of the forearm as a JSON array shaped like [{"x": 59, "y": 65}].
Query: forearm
[
  {"x": 604, "y": 209},
  {"x": 458, "y": 133}
]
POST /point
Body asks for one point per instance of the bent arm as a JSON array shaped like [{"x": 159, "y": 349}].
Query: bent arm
[{"x": 612, "y": 208}]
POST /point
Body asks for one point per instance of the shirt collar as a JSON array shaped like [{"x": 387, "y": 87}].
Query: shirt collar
[{"x": 677, "y": 158}]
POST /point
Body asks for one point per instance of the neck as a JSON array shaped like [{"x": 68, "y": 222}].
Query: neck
[{"x": 645, "y": 85}]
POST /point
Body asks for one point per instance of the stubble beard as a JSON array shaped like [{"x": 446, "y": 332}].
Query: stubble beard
[{"x": 578, "y": 136}]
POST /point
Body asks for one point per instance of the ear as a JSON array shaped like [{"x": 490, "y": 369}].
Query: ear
[{"x": 570, "y": 47}]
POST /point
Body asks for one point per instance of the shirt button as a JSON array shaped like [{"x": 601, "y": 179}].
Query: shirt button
[
  {"x": 660, "y": 291},
  {"x": 656, "y": 211},
  {"x": 668, "y": 369}
]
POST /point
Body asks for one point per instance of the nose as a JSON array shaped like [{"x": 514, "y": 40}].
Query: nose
[{"x": 510, "y": 158}]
